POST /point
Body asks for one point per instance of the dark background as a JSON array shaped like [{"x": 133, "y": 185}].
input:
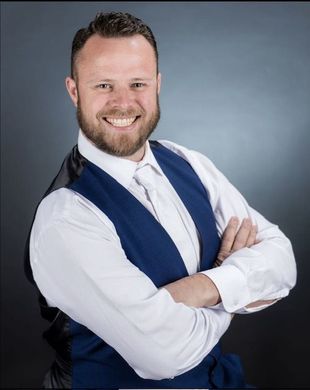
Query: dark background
[{"x": 236, "y": 86}]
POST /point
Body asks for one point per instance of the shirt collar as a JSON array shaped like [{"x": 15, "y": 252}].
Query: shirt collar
[{"x": 121, "y": 169}]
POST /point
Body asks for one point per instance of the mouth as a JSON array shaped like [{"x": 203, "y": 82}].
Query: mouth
[{"x": 122, "y": 123}]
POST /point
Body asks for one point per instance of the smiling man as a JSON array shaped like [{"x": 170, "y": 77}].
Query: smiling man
[
  {"x": 117, "y": 93},
  {"x": 136, "y": 248}
]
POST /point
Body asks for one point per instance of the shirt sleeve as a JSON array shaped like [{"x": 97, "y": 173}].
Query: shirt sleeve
[
  {"x": 265, "y": 271},
  {"x": 80, "y": 267}
]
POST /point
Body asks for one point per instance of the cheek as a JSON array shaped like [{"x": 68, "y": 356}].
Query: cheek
[
  {"x": 98, "y": 105},
  {"x": 92, "y": 105},
  {"x": 148, "y": 101}
]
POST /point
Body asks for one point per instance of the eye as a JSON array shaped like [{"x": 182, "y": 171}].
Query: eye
[
  {"x": 104, "y": 86},
  {"x": 138, "y": 85}
]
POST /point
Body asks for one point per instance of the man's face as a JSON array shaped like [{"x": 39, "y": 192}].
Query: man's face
[{"x": 116, "y": 93}]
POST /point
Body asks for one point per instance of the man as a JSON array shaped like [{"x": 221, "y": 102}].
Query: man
[{"x": 125, "y": 247}]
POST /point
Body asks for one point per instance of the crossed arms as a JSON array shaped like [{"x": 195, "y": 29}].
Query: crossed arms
[
  {"x": 198, "y": 290},
  {"x": 157, "y": 331}
]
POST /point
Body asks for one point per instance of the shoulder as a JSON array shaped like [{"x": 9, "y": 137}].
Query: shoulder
[
  {"x": 192, "y": 156},
  {"x": 208, "y": 173},
  {"x": 65, "y": 208}
]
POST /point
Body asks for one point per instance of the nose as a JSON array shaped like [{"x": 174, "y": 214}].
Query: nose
[{"x": 121, "y": 97}]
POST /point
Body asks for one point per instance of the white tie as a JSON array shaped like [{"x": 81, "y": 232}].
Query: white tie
[{"x": 163, "y": 202}]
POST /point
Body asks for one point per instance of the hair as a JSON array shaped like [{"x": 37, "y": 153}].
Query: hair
[{"x": 111, "y": 25}]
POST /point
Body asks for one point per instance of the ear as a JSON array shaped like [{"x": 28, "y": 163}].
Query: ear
[
  {"x": 158, "y": 82},
  {"x": 72, "y": 90}
]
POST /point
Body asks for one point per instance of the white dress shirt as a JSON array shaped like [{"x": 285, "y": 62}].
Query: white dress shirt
[{"x": 80, "y": 267}]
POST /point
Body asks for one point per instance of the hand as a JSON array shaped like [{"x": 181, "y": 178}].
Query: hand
[{"x": 233, "y": 240}]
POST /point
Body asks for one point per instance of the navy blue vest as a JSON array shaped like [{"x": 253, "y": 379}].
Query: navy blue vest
[{"x": 87, "y": 359}]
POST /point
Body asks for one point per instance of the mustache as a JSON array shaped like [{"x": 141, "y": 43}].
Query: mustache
[{"x": 131, "y": 112}]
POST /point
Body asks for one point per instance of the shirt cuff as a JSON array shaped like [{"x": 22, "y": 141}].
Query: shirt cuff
[
  {"x": 249, "y": 310},
  {"x": 231, "y": 285}
]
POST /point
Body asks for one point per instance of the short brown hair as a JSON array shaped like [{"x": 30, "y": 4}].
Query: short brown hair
[{"x": 111, "y": 25}]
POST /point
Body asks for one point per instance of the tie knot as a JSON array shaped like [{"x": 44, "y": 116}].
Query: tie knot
[{"x": 143, "y": 175}]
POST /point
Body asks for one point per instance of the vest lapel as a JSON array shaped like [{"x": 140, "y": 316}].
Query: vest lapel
[
  {"x": 195, "y": 198},
  {"x": 145, "y": 242}
]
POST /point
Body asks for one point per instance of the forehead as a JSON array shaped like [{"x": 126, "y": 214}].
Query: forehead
[{"x": 113, "y": 56}]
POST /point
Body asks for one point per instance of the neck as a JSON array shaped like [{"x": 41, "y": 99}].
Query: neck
[{"x": 137, "y": 156}]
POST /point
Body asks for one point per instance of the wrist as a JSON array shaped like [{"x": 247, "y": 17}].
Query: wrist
[{"x": 211, "y": 293}]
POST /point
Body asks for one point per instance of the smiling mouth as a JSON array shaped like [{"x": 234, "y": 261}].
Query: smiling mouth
[{"x": 121, "y": 122}]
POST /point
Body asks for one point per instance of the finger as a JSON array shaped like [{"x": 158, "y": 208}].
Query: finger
[
  {"x": 242, "y": 235},
  {"x": 227, "y": 240},
  {"x": 222, "y": 255},
  {"x": 218, "y": 263},
  {"x": 229, "y": 234},
  {"x": 252, "y": 236}
]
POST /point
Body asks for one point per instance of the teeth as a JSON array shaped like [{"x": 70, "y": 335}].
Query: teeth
[{"x": 121, "y": 122}]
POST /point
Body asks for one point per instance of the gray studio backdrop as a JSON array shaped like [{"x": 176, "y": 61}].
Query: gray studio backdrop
[{"x": 236, "y": 86}]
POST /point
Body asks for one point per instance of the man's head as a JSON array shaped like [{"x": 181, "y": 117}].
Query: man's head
[{"x": 115, "y": 83}]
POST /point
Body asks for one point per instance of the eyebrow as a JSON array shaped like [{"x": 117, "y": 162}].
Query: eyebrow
[
  {"x": 111, "y": 80},
  {"x": 141, "y": 78}
]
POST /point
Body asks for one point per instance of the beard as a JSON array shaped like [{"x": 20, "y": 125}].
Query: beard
[{"x": 118, "y": 143}]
